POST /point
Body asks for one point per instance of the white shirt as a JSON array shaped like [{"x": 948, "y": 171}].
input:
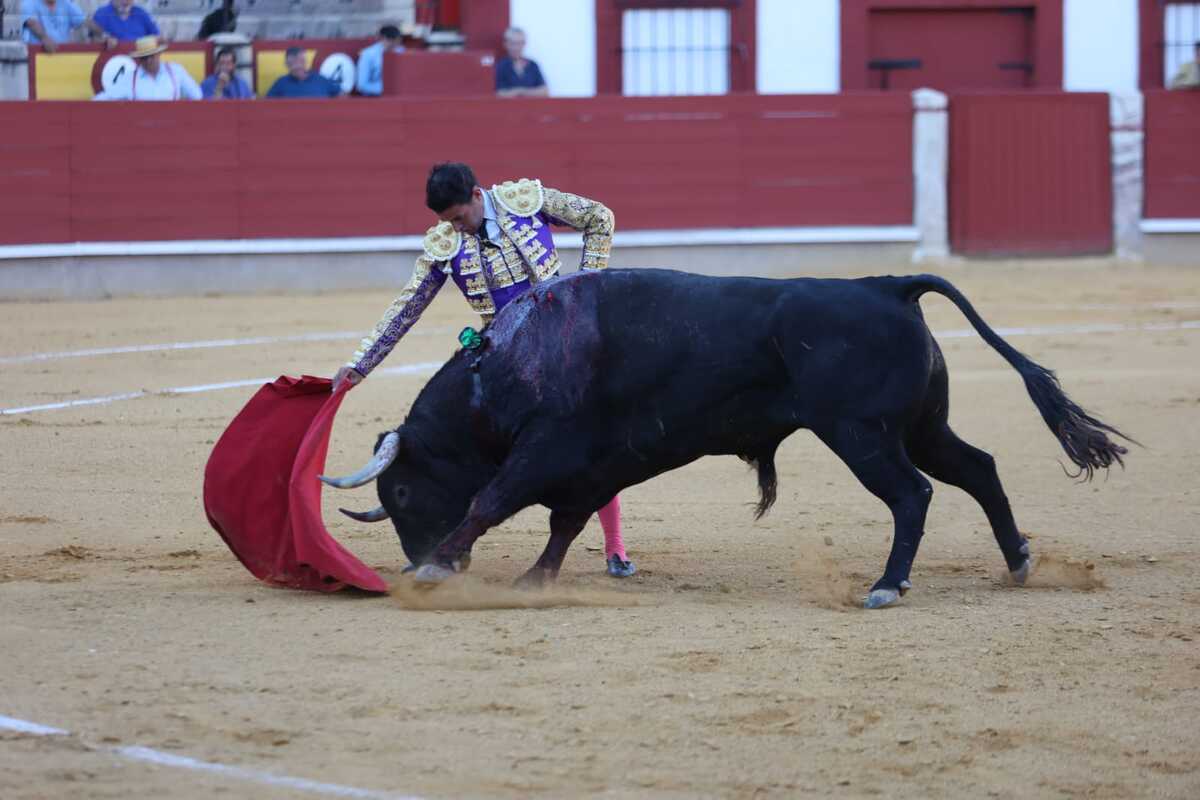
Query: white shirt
[
  {"x": 491, "y": 224},
  {"x": 171, "y": 83}
]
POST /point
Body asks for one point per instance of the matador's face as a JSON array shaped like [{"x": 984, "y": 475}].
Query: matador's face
[{"x": 466, "y": 217}]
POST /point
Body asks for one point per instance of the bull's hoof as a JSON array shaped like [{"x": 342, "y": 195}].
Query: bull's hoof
[
  {"x": 535, "y": 578},
  {"x": 432, "y": 574},
  {"x": 1021, "y": 573},
  {"x": 619, "y": 568},
  {"x": 880, "y": 598}
]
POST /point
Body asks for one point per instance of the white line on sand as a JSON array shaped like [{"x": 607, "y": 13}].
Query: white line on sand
[
  {"x": 204, "y": 344},
  {"x": 405, "y": 369},
  {"x": 430, "y": 366},
  {"x": 137, "y": 753}
]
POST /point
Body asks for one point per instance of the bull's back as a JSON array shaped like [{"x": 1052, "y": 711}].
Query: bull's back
[{"x": 705, "y": 356}]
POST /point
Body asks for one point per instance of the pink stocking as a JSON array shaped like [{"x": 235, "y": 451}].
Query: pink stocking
[{"x": 610, "y": 521}]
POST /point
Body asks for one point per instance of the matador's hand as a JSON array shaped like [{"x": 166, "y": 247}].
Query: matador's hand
[{"x": 348, "y": 377}]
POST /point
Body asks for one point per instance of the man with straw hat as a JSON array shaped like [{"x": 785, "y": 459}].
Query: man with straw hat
[{"x": 152, "y": 78}]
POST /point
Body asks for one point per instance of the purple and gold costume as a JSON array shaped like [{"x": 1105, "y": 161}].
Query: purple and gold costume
[{"x": 492, "y": 273}]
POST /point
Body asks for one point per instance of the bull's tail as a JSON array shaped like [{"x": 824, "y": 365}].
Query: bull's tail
[{"x": 1083, "y": 437}]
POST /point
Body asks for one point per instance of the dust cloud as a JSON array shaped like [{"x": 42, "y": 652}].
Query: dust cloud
[{"x": 464, "y": 593}]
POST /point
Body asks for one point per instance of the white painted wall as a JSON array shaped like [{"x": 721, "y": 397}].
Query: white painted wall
[
  {"x": 799, "y": 46},
  {"x": 561, "y": 37},
  {"x": 1100, "y": 45}
]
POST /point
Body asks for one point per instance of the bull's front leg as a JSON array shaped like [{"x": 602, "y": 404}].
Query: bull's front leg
[
  {"x": 564, "y": 527},
  {"x": 508, "y": 493}
]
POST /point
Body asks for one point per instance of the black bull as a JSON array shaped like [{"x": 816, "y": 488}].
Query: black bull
[{"x": 598, "y": 381}]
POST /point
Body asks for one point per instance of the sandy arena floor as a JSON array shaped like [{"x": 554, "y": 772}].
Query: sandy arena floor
[{"x": 731, "y": 665}]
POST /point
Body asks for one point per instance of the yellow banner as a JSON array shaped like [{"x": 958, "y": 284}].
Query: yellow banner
[
  {"x": 68, "y": 76},
  {"x": 63, "y": 76}
]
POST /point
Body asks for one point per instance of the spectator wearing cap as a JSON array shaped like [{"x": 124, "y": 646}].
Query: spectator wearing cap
[
  {"x": 369, "y": 76},
  {"x": 224, "y": 84},
  {"x": 50, "y": 23},
  {"x": 300, "y": 81},
  {"x": 153, "y": 78},
  {"x": 223, "y": 20},
  {"x": 124, "y": 21},
  {"x": 516, "y": 75},
  {"x": 1188, "y": 76}
]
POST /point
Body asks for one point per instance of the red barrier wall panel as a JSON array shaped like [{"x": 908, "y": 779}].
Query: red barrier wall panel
[
  {"x": 947, "y": 63},
  {"x": 1030, "y": 174},
  {"x": 1172, "y": 155},
  {"x": 314, "y": 168},
  {"x": 35, "y": 173}
]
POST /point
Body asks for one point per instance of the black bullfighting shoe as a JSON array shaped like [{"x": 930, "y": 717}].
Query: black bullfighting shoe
[{"x": 620, "y": 569}]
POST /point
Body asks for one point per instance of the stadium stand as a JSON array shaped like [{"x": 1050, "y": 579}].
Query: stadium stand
[{"x": 180, "y": 20}]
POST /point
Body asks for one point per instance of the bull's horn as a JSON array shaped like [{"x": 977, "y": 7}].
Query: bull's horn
[
  {"x": 374, "y": 515},
  {"x": 383, "y": 458}
]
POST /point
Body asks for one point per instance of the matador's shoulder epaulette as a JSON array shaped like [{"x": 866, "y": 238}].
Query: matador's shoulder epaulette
[
  {"x": 523, "y": 198},
  {"x": 442, "y": 242}
]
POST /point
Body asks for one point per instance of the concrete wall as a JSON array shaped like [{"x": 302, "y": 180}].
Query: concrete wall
[
  {"x": 799, "y": 46},
  {"x": 562, "y": 42},
  {"x": 14, "y": 71},
  {"x": 1100, "y": 45}
]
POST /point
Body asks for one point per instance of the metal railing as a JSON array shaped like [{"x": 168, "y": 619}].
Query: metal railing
[
  {"x": 676, "y": 51},
  {"x": 1181, "y": 33}
]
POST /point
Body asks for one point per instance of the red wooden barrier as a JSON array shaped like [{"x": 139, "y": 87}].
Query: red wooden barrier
[
  {"x": 1030, "y": 174},
  {"x": 1172, "y": 155},
  {"x": 155, "y": 171}
]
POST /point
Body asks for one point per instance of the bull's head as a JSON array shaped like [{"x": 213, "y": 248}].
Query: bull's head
[{"x": 425, "y": 496}]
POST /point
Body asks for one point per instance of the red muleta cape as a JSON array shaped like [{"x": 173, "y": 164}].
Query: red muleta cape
[{"x": 261, "y": 491}]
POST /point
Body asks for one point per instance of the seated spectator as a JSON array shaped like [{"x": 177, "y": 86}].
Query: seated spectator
[
  {"x": 1188, "y": 76},
  {"x": 50, "y": 22},
  {"x": 224, "y": 84},
  {"x": 124, "y": 21},
  {"x": 369, "y": 77},
  {"x": 153, "y": 79},
  {"x": 223, "y": 20},
  {"x": 517, "y": 76},
  {"x": 301, "y": 81}
]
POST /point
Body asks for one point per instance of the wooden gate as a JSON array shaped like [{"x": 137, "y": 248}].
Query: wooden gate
[{"x": 1030, "y": 174}]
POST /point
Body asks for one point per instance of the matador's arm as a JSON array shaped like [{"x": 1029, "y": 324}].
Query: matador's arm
[
  {"x": 593, "y": 219},
  {"x": 403, "y": 313}
]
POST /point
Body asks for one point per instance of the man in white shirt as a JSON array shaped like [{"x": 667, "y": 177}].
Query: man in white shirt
[{"x": 152, "y": 78}]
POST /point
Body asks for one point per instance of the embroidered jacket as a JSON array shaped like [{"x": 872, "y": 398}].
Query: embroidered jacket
[{"x": 490, "y": 274}]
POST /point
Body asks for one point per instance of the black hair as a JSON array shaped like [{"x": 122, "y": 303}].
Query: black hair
[
  {"x": 449, "y": 184},
  {"x": 293, "y": 51},
  {"x": 389, "y": 32},
  {"x": 223, "y": 51}
]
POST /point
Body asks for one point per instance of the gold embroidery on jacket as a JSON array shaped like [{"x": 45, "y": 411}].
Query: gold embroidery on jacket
[{"x": 522, "y": 197}]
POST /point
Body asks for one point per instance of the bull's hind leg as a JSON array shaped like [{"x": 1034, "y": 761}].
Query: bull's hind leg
[
  {"x": 937, "y": 451},
  {"x": 874, "y": 453}
]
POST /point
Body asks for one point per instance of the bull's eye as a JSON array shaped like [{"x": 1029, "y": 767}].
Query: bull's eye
[{"x": 401, "y": 497}]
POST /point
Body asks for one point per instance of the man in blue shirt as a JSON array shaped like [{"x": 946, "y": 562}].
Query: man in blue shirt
[
  {"x": 224, "y": 84},
  {"x": 50, "y": 22},
  {"x": 124, "y": 21},
  {"x": 300, "y": 81},
  {"x": 518, "y": 76},
  {"x": 369, "y": 77}
]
